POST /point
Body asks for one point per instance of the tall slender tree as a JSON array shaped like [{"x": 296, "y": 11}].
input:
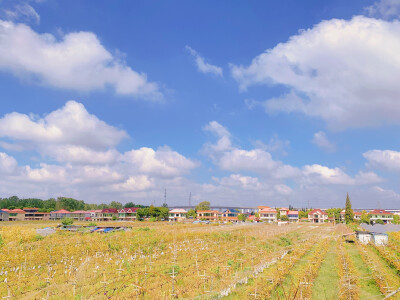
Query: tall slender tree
[{"x": 348, "y": 213}]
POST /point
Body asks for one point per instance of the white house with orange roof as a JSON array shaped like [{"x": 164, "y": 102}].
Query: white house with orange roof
[
  {"x": 357, "y": 215},
  {"x": 381, "y": 214},
  {"x": 283, "y": 211},
  {"x": 268, "y": 215},
  {"x": 317, "y": 216},
  {"x": 177, "y": 215}
]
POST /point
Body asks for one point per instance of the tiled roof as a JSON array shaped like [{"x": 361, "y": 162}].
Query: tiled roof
[
  {"x": 61, "y": 211},
  {"x": 380, "y": 212},
  {"x": 268, "y": 210},
  {"x": 293, "y": 212},
  {"x": 317, "y": 210},
  {"x": 178, "y": 211},
  {"x": 284, "y": 208},
  {"x": 110, "y": 210},
  {"x": 17, "y": 211},
  {"x": 128, "y": 210}
]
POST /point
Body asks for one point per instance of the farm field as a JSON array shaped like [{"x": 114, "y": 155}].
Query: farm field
[{"x": 158, "y": 260}]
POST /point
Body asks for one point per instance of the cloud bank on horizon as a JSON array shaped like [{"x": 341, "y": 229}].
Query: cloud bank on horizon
[{"x": 331, "y": 83}]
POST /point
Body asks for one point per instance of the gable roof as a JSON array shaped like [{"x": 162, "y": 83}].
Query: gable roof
[
  {"x": 128, "y": 210},
  {"x": 293, "y": 212},
  {"x": 284, "y": 208},
  {"x": 232, "y": 210},
  {"x": 317, "y": 211}
]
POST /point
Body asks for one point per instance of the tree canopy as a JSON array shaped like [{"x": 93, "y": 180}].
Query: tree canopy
[
  {"x": 348, "y": 214},
  {"x": 205, "y": 205}
]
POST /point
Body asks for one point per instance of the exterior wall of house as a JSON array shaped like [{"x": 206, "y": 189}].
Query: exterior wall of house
[
  {"x": 209, "y": 215},
  {"x": 317, "y": 216},
  {"x": 268, "y": 217},
  {"x": 4, "y": 216}
]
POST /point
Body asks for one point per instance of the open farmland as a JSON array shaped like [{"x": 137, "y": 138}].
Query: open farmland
[{"x": 164, "y": 260}]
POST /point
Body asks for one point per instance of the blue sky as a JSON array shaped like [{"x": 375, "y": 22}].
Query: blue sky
[{"x": 237, "y": 102}]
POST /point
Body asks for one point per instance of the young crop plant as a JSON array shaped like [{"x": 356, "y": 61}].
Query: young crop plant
[{"x": 349, "y": 289}]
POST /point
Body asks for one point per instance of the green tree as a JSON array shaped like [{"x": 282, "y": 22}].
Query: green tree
[
  {"x": 396, "y": 219},
  {"x": 67, "y": 221},
  {"x": 205, "y": 205},
  {"x": 192, "y": 213},
  {"x": 242, "y": 217},
  {"x": 365, "y": 217},
  {"x": 115, "y": 204},
  {"x": 334, "y": 213},
  {"x": 379, "y": 221},
  {"x": 348, "y": 214},
  {"x": 284, "y": 218},
  {"x": 129, "y": 204}
]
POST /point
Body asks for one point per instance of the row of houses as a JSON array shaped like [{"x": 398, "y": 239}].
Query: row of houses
[
  {"x": 270, "y": 215},
  {"x": 33, "y": 214},
  {"x": 264, "y": 213}
]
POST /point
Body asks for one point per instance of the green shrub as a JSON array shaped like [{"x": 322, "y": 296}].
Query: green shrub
[
  {"x": 92, "y": 224},
  {"x": 67, "y": 221},
  {"x": 1, "y": 241}
]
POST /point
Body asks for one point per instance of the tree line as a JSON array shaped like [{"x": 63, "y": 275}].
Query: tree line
[{"x": 66, "y": 203}]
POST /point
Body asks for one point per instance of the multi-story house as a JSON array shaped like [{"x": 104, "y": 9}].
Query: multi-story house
[
  {"x": 127, "y": 214},
  {"x": 357, "y": 215},
  {"x": 293, "y": 216},
  {"x": 230, "y": 215},
  {"x": 80, "y": 215},
  {"x": 209, "y": 215},
  {"x": 177, "y": 215},
  {"x": 317, "y": 216},
  {"x": 381, "y": 214},
  {"x": 60, "y": 214},
  {"x": 106, "y": 214},
  {"x": 268, "y": 215},
  {"x": 33, "y": 214},
  {"x": 283, "y": 211}
]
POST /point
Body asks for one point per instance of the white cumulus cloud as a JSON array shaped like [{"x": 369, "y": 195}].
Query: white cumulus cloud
[
  {"x": 77, "y": 61},
  {"x": 342, "y": 71},
  {"x": 383, "y": 159}
]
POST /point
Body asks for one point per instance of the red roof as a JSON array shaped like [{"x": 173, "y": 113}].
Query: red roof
[
  {"x": 61, "y": 211},
  {"x": 284, "y": 208},
  {"x": 110, "y": 211},
  {"x": 358, "y": 213},
  {"x": 380, "y": 212},
  {"x": 268, "y": 210},
  {"x": 4, "y": 209},
  {"x": 128, "y": 210},
  {"x": 317, "y": 210},
  {"x": 17, "y": 211},
  {"x": 293, "y": 212}
]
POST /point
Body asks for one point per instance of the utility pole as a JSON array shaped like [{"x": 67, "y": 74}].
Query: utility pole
[
  {"x": 190, "y": 199},
  {"x": 165, "y": 196}
]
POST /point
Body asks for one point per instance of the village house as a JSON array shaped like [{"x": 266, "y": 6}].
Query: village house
[
  {"x": 4, "y": 215},
  {"x": 80, "y": 215},
  {"x": 106, "y": 214},
  {"x": 60, "y": 214},
  {"x": 283, "y": 211},
  {"x": 293, "y": 216},
  {"x": 230, "y": 215},
  {"x": 317, "y": 216},
  {"x": 177, "y": 215},
  {"x": 127, "y": 214},
  {"x": 33, "y": 214},
  {"x": 208, "y": 215},
  {"x": 17, "y": 214},
  {"x": 268, "y": 215},
  {"x": 381, "y": 214}
]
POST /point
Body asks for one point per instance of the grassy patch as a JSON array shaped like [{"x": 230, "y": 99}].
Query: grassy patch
[
  {"x": 368, "y": 286},
  {"x": 326, "y": 285}
]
